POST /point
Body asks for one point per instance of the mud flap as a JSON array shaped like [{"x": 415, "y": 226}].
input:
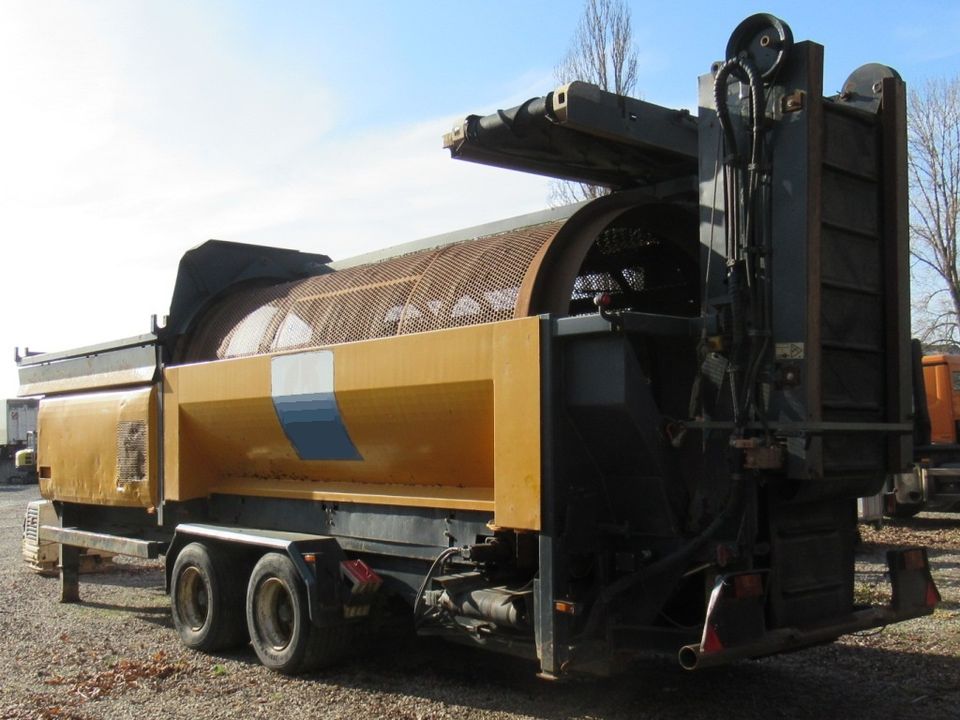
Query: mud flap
[
  {"x": 913, "y": 586},
  {"x": 735, "y": 615}
]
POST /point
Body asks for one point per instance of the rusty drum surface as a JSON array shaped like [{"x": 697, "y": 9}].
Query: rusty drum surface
[{"x": 626, "y": 244}]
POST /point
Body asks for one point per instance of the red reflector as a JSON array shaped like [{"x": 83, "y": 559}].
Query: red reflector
[
  {"x": 747, "y": 586},
  {"x": 913, "y": 559},
  {"x": 565, "y": 606},
  {"x": 711, "y": 641},
  {"x": 361, "y": 576},
  {"x": 933, "y": 595}
]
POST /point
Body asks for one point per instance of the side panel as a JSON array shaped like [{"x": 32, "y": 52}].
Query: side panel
[
  {"x": 443, "y": 419},
  {"x": 953, "y": 362},
  {"x": 516, "y": 429},
  {"x": 122, "y": 363},
  {"x": 938, "y": 383},
  {"x": 99, "y": 448}
]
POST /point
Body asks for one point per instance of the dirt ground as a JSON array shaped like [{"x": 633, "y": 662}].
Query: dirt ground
[{"x": 115, "y": 655}]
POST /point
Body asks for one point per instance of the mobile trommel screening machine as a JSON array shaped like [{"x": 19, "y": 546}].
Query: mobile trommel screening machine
[{"x": 637, "y": 424}]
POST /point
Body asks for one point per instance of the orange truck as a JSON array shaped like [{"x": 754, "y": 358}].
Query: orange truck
[
  {"x": 934, "y": 483},
  {"x": 941, "y": 380}
]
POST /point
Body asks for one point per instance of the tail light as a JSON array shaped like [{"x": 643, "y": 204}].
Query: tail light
[
  {"x": 913, "y": 586},
  {"x": 362, "y": 584},
  {"x": 735, "y": 613}
]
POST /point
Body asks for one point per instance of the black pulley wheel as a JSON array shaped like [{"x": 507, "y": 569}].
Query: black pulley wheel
[{"x": 765, "y": 40}]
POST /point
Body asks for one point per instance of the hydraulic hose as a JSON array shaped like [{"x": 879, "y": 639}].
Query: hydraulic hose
[
  {"x": 671, "y": 561},
  {"x": 740, "y": 195},
  {"x": 437, "y": 563},
  {"x": 741, "y": 229}
]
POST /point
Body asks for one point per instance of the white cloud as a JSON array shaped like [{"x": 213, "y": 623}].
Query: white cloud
[{"x": 133, "y": 134}]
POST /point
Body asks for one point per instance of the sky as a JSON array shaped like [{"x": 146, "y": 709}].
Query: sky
[{"x": 133, "y": 130}]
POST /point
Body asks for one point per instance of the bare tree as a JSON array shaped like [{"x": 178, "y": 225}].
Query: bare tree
[
  {"x": 601, "y": 52},
  {"x": 933, "y": 122}
]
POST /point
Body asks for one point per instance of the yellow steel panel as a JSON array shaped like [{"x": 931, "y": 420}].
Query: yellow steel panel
[
  {"x": 368, "y": 493},
  {"x": 218, "y": 418},
  {"x": 414, "y": 421},
  {"x": 79, "y": 436},
  {"x": 418, "y": 408},
  {"x": 516, "y": 367}
]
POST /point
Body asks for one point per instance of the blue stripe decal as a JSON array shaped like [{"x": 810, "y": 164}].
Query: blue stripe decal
[
  {"x": 314, "y": 427},
  {"x": 301, "y": 385}
]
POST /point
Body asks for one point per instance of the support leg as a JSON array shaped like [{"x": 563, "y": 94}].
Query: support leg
[{"x": 69, "y": 574}]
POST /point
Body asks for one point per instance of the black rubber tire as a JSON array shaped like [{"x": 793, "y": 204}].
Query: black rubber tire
[
  {"x": 278, "y": 621},
  {"x": 206, "y": 598}
]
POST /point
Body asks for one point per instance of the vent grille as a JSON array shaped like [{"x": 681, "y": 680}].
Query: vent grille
[
  {"x": 131, "y": 451},
  {"x": 31, "y": 525}
]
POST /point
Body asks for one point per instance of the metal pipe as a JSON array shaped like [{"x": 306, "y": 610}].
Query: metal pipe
[
  {"x": 500, "y": 608},
  {"x": 785, "y": 639}
]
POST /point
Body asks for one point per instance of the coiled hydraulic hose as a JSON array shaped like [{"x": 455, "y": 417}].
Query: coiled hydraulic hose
[{"x": 437, "y": 563}]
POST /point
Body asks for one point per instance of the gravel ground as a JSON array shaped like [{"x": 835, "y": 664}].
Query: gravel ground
[{"x": 115, "y": 655}]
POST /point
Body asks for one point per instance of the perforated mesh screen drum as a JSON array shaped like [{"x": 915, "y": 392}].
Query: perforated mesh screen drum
[{"x": 624, "y": 245}]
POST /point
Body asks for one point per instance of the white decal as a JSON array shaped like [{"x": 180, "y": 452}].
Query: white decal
[{"x": 305, "y": 373}]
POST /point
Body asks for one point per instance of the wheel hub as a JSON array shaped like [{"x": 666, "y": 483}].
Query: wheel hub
[
  {"x": 192, "y": 601},
  {"x": 274, "y": 611}
]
